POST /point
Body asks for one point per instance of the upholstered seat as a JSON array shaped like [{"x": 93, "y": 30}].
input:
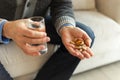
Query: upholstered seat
[{"x": 103, "y": 19}]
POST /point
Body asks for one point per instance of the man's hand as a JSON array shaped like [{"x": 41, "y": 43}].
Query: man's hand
[
  {"x": 68, "y": 34},
  {"x": 19, "y": 32}
]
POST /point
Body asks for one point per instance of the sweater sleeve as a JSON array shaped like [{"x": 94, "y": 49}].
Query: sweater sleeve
[{"x": 62, "y": 13}]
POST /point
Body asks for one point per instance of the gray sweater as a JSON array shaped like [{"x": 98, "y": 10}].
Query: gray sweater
[{"x": 60, "y": 10}]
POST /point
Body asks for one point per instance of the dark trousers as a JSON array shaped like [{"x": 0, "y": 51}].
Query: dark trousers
[
  {"x": 4, "y": 74},
  {"x": 61, "y": 64}
]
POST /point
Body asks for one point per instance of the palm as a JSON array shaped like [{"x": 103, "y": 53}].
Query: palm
[{"x": 69, "y": 34}]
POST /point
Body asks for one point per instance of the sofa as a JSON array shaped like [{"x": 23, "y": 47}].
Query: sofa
[{"x": 102, "y": 16}]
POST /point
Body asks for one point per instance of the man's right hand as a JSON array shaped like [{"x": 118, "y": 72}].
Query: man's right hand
[{"x": 19, "y": 32}]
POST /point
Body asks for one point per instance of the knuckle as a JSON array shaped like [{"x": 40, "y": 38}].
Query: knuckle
[
  {"x": 32, "y": 41},
  {"x": 25, "y": 50},
  {"x": 42, "y": 40},
  {"x": 31, "y": 33}
]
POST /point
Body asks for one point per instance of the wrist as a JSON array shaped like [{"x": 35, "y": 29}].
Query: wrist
[
  {"x": 62, "y": 29},
  {"x": 67, "y": 25}
]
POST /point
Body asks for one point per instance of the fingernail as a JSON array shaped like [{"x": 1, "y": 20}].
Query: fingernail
[
  {"x": 39, "y": 54},
  {"x": 44, "y": 34},
  {"x": 48, "y": 39}
]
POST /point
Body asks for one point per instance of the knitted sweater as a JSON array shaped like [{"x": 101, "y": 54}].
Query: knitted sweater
[{"x": 60, "y": 10}]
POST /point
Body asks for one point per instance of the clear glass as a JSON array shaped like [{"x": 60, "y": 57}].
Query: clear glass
[{"x": 38, "y": 22}]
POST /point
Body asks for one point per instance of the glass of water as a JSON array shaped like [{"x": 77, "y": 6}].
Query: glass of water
[{"x": 38, "y": 22}]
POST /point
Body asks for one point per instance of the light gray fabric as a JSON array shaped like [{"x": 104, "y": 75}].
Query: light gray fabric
[
  {"x": 29, "y": 10},
  {"x": 19, "y": 9},
  {"x": 17, "y": 63},
  {"x": 83, "y": 4}
]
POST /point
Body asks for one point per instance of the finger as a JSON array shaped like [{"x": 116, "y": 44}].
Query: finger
[
  {"x": 36, "y": 41},
  {"x": 32, "y": 50},
  {"x": 88, "y": 42},
  {"x": 25, "y": 50},
  {"x": 33, "y": 33},
  {"x": 24, "y": 39},
  {"x": 90, "y": 51},
  {"x": 34, "y": 54},
  {"x": 72, "y": 51},
  {"x": 86, "y": 54},
  {"x": 87, "y": 39},
  {"x": 79, "y": 55}
]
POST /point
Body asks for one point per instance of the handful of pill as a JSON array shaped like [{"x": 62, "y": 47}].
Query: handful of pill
[{"x": 79, "y": 44}]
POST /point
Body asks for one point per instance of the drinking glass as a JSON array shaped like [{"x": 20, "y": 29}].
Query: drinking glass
[{"x": 38, "y": 22}]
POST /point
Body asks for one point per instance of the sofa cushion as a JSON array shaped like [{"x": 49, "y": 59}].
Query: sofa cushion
[
  {"x": 83, "y": 4},
  {"x": 18, "y": 63}
]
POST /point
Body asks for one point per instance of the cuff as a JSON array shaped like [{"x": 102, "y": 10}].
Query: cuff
[
  {"x": 62, "y": 21},
  {"x": 2, "y": 38}
]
